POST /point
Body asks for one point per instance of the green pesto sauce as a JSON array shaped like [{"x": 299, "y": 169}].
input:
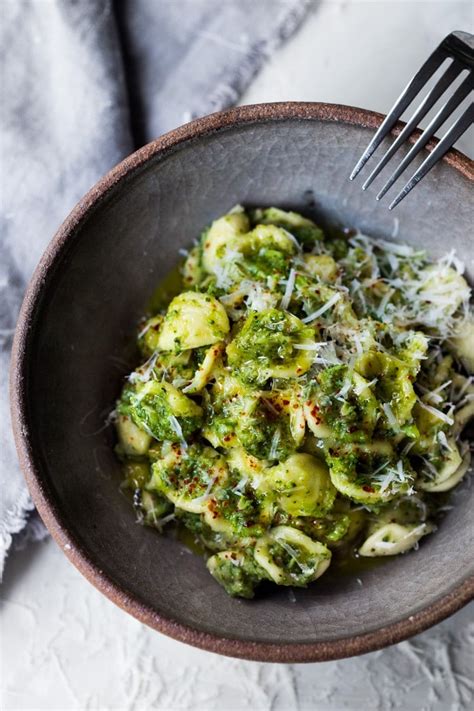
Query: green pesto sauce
[
  {"x": 278, "y": 421},
  {"x": 350, "y": 564},
  {"x": 190, "y": 540},
  {"x": 344, "y": 563},
  {"x": 169, "y": 287}
]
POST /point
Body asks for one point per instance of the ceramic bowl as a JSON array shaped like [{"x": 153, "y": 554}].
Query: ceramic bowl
[{"x": 73, "y": 347}]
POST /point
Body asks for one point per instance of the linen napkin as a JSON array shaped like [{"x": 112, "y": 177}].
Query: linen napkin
[{"x": 83, "y": 83}]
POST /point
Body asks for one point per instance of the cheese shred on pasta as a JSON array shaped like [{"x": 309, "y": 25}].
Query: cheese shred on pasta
[{"x": 301, "y": 398}]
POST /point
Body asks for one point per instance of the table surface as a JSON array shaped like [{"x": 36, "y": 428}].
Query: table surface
[{"x": 65, "y": 646}]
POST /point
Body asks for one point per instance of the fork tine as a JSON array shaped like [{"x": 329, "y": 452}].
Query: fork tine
[
  {"x": 406, "y": 97},
  {"x": 455, "y": 132},
  {"x": 443, "y": 114},
  {"x": 432, "y": 97}
]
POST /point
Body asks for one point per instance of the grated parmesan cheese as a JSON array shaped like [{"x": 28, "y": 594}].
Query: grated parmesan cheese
[
  {"x": 274, "y": 445},
  {"x": 144, "y": 377},
  {"x": 442, "y": 439},
  {"x": 333, "y": 300},
  {"x": 293, "y": 239},
  {"x": 392, "y": 420},
  {"x": 437, "y": 413},
  {"x": 207, "y": 493},
  {"x": 176, "y": 427},
  {"x": 290, "y": 285},
  {"x": 312, "y": 346}
]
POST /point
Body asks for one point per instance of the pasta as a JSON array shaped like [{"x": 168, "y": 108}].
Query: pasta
[{"x": 301, "y": 400}]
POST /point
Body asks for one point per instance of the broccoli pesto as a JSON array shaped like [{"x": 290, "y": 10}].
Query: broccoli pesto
[{"x": 301, "y": 399}]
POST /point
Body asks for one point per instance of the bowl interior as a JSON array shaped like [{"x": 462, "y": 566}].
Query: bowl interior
[{"x": 80, "y": 345}]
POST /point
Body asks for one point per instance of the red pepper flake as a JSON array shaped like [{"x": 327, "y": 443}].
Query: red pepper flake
[{"x": 368, "y": 488}]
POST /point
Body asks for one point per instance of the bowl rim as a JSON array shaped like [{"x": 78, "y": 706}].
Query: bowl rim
[{"x": 45, "y": 503}]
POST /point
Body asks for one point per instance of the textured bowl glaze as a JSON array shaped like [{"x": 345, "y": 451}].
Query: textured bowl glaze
[{"x": 73, "y": 347}]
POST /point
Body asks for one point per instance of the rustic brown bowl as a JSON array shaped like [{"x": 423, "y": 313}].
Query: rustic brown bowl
[{"x": 72, "y": 349}]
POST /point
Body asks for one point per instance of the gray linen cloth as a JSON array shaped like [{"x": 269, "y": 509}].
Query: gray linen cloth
[{"x": 83, "y": 83}]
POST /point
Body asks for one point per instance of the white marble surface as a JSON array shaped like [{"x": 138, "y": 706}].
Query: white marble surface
[{"x": 65, "y": 646}]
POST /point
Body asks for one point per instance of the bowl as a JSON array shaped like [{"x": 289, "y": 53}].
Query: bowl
[{"x": 73, "y": 347}]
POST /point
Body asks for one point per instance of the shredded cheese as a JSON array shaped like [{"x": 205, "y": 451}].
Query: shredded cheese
[
  {"x": 145, "y": 375},
  {"x": 274, "y": 445},
  {"x": 312, "y": 346},
  {"x": 176, "y": 427},
  {"x": 293, "y": 239},
  {"x": 437, "y": 413},
  {"x": 392, "y": 420},
  {"x": 144, "y": 330},
  {"x": 443, "y": 440},
  {"x": 290, "y": 285},
  {"x": 207, "y": 493},
  {"x": 316, "y": 314}
]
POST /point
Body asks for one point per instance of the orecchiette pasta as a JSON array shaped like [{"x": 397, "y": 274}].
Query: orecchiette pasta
[
  {"x": 301, "y": 401},
  {"x": 289, "y": 557},
  {"x": 393, "y": 539},
  {"x": 192, "y": 320}
]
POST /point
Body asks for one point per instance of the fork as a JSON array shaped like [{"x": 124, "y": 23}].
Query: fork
[{"x": 459, "y": 47}]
